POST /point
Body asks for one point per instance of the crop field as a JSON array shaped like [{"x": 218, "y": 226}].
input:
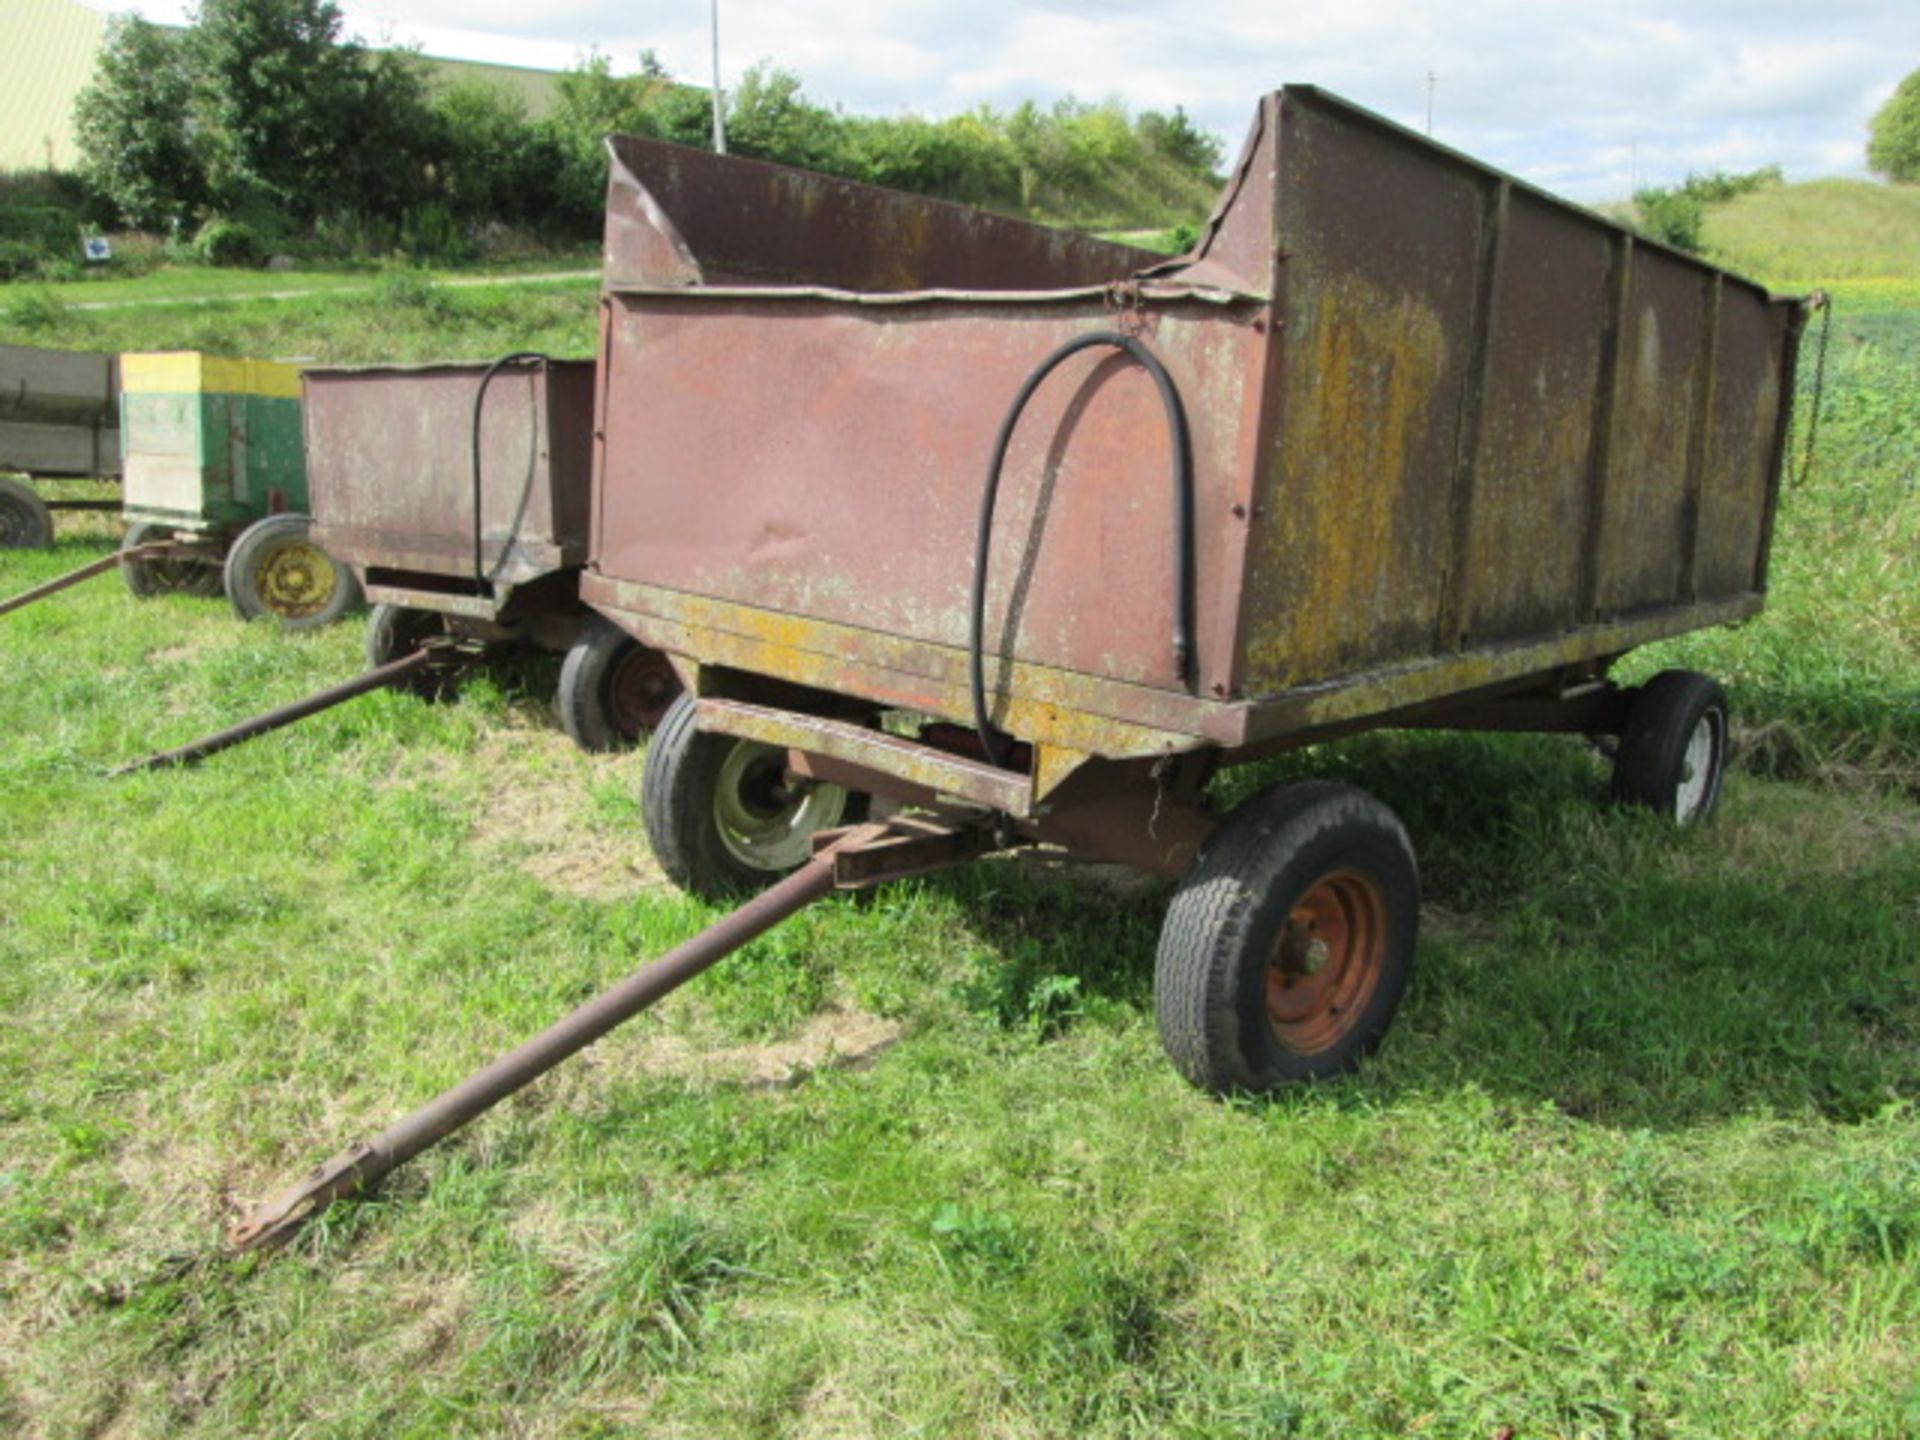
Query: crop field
[{"x": 1641, "y": 1157}]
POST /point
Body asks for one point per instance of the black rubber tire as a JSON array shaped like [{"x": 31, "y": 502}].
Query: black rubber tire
[
  {"x": 25, "y": 521},
  {"x": 1651, "y": 768},
  {"x": 149, "y": 578},
  {"x": 613, "y": 690},
  {"x": 681, "y": 799},
  {"x": 1238, "y": 916},
  {"x": 394, "y": 632},
  {"x": 275, "y": 569}
]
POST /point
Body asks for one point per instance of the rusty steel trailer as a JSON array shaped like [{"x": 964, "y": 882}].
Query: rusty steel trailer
[
  {"x": 1027, "y": 537},
  {"x": 59, "y": 419},
  {"x": 458, "y": 495},
  {"x": 1403, "y": 442}
]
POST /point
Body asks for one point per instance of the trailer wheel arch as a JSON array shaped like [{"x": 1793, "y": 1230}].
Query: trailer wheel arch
[
  {"x": 1288, "y": 947},
  {"x": 713, "y": 818}
]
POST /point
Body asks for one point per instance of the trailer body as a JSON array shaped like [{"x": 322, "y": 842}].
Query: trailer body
[
  {"x": 1450, "y": 435},
  {"x": 211, "y": 444},
  {"x": 390, "y": 459},
  {"x": 59, "y": 412}
]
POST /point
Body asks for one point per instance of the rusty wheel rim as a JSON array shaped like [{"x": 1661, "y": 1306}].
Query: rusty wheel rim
[
  {"x": 295, "y": 580},
  {"x": 1327, "y": 961},
  {"x": 640, "y": 691}
]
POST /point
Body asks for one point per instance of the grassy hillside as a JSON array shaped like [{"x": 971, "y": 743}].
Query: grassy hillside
[{"x": 1819, "y": 230}]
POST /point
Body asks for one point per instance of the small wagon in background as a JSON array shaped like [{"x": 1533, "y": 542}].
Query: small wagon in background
[
  {"x": 59, "y": 419},
  {"x": 213, "y": 455},
  {"x": 458, "y": 494}
]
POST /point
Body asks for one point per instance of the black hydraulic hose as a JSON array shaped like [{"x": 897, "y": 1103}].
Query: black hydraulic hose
[
  {"x": 1182, "y": 518},
  {"x": 479, "y": 402}
]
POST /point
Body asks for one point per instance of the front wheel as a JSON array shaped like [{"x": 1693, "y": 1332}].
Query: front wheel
[
  {"x": 613, "y": 689},
  {"x": 1287, "y": 948},
  {"x": 172, "y": 575},
  {"x": 1673, "y": 752},
  {"x": 25, "y": 521},
  {"x": 723, "y": 815}
]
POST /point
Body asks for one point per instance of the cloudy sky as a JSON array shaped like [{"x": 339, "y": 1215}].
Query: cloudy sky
[{"x": 1584, "y": 98}]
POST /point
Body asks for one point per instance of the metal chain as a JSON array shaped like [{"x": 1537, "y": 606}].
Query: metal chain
[{"x": 1824, "y": 302}]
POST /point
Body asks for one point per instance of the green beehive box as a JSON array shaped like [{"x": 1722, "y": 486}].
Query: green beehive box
[{"x": 210, "y": 444}]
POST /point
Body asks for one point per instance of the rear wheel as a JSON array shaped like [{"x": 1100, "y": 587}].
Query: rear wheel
[
  {"x": 613, "y": 689},
  {"x": 274, "y": 568},
  {"x": 171, "y": 575},
  {"x": 1673, "y": 752},
  {"x": 395, "y": 632},
  {"x": 1289, "y": 945},
  {"x": 25, "y": 521},
  {"x": 723, "y": 815}
]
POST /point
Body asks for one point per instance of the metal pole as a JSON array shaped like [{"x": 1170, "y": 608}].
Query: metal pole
[
  {"x": 719, "y": 109},
  {"x": 374, "y": 679},
  {"x": 361, "y": 1164},
  {"x": 153, "y": 550}
]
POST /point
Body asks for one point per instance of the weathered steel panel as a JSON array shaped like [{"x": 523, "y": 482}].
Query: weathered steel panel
[
  {"x": 680, "y": 216},
  {"x": 390, "y": 467},
  {"x": 1746, "y": 403},
  {"x": 818, "y": 461},
  {"x": 1380, "y": 250},
  {"x": 1450, "y": 435},
  {"x": 59, "y": 412},
  {"x": 1536, "y": 428},
  {"x": 1645, "y": 526}
]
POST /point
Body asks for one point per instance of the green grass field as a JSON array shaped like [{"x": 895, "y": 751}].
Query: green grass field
[
  {"x": 1818, "y": 231},
  {"x": 1641, "y": 1157}
]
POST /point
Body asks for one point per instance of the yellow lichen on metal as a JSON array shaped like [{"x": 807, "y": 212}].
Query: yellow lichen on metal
[
  {"x": 1046, "y": 706},
  {"x": 1360, "y": 395},
  {"x": 1053, "y": 765}
]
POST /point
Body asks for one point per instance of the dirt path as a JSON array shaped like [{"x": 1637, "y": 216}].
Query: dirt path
[{"x": 458, "y": 281}]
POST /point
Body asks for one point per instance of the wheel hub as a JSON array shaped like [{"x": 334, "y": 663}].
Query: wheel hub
[
  {"x": 1327, "y": 960},
  {"x": 643, "y": 686},
  {"x": 766, "y": 818},
  {"x": 295, "y": 580}
]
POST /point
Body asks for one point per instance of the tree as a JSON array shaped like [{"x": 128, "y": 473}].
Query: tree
[
  {"x": 1893, "y": 144},
  {"x": 285, "y": 101},
  {"x": 135, "y": 126}
]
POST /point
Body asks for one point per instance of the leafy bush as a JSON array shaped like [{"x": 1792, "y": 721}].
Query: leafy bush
[
  {"x": 230, "y": 243},
  {"x": 1676, "y": 216}
]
